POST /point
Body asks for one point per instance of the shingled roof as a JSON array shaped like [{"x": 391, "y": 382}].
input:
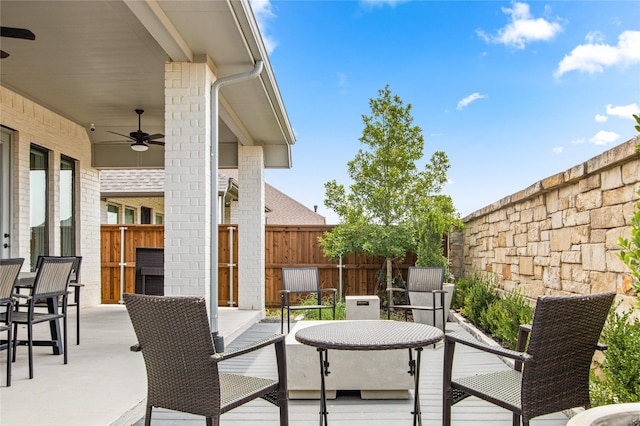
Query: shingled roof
[{"x": 281, "y": 209}]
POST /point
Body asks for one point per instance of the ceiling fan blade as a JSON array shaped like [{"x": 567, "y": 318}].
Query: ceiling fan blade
[
  {"x": 22, "y": 33},
  {"x": 154, "y": 136},
  {"x": 155, "y": 143},
  {"x": 3, "y": 54},
  {"x": 120, "y": 134}
]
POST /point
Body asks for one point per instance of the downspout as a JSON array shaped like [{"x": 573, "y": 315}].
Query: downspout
[{"x": 213, "y": 302}]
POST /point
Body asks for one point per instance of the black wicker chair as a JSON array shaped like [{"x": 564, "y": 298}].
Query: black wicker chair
[
  {"x": 302, "y": 281},
  {"x": 51, "y": 284},
  {"x": 562, "y": 340},
  {"x": 421, "y": 280},
  {"x": 9, "y": 270},
  {"x": 182, "y": 366}
]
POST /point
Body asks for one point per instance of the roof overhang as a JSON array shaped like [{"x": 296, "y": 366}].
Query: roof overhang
[{"x": 96, "y": 61}]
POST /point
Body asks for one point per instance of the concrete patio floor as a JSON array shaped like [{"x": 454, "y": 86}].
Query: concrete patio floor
[{"x": 104, "y": 383}]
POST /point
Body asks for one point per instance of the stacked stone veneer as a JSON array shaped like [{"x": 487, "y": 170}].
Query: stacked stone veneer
[{"x": 560, "y": 235}]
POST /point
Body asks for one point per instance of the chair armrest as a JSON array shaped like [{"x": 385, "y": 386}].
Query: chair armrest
[
  {"x": 438, "y": 291},
  {"x": 275, "y": 338},
  {"x": 392, "y": 289},
  {"x": 333, "y": 290},
  {"x": 135, "y": 348},
  {"x": 284, "y": 291},
  {"x": 496, "y": 350}
]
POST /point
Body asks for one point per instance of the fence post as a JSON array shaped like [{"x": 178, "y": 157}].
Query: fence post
[
  {"x": 122, "y": 264},
  {"x": 231, "y": 265}
]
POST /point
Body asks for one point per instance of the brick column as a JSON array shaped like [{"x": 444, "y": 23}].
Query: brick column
[
  {"x": 251, "y": 237},
  {"x": 187, "y": 179}
]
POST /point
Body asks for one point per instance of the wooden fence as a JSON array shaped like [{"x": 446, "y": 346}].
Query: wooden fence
[{"x": 285, "y": 246}]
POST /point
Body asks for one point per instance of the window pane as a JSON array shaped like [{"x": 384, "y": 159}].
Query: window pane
[
  {"x": 159, "y": 219},
  {"x": 38, "y": 219},
  {"x": 129, "y": 216},
  {"x": 113, "y": 214},
  {"x": 67, "y": 208}
]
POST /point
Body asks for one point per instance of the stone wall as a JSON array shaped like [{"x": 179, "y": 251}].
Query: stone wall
[{"x": 560, "y": 235}]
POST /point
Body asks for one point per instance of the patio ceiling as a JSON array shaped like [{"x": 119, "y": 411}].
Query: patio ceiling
[{"x": 96, "y": 61}]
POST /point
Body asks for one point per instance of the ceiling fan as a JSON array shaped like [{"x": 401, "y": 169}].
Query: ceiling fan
[
  {"x": 141, "y": 139},
  {"x": 20, "y": 33}
]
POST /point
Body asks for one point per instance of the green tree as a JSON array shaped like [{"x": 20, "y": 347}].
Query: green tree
[
  {"x": 392, "y": 206},
  {"x": 630, "y": 253}
]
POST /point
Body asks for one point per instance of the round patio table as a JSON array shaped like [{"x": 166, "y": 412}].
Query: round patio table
[{"x": 370, "y": 335}]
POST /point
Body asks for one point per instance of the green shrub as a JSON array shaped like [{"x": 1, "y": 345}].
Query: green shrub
[
  {"x": 482, "y": 293},
  {"x": 312, "y": 314},
  {"x": 460, "y": 291},
  {"x": 620, "y": 381},
  {"x": 504, "y": 317}
]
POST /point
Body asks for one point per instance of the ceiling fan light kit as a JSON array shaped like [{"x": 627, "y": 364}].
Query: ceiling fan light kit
[{"x": 139, "y": 147}]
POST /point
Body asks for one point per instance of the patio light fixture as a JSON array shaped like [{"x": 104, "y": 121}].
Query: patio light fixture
[{"x": 139, "y": 147}]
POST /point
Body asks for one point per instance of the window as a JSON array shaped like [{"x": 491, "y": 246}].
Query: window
[
  {"x": 113, "y": 214},
  {"x": 38, "y": 205},
  {"x": 145, "y": 215},
  {"x": 129, "y": 215},
  {"x": 67, "y": 207},
  {"x": 159, "y": 219}
]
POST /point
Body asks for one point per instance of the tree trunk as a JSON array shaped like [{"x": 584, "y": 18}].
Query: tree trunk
[{"x": 389, "y": 273}]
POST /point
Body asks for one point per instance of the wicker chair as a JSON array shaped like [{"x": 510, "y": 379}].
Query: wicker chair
[
  {"x": 182, "y": 366},
  {"x": 562, "y": 340},
  {"x": 421, "y": 280},
  {"x": 9, "y": 270},
  {"x": 51, "y": 284},
  {"x": 301, "y": 281}
]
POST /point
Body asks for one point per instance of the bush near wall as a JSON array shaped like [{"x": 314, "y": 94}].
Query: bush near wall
[
  {"x": 616, "y": 379},
  {"x": 477, "y": 298}
]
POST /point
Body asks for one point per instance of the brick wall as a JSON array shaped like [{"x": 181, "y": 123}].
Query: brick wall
[
  {"x": 560, "y": 235},
  {"x": 34, "y": 124}
]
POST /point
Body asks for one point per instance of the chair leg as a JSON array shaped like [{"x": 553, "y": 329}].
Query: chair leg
[
  {"x": 446, "y": 408},
  {"x": 65, "y": 346},
  {"x": 283, "y": 404},
  {"x": 9, "y": 357},
  {"x": 14, "y": 342},
  {"x": 30, "y": 344},
  {"x": 147, "y": 417},
  {"x": 76, "y": 298}
]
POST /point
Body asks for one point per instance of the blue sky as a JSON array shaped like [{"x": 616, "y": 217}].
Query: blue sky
[{"x": 513, "y": 92}]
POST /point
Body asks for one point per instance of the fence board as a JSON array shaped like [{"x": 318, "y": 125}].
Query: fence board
[{"x": 285, "y": 246}]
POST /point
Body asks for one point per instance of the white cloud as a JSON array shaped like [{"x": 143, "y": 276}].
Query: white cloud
[
  {"x": 623, "y": 111},
  {"x": 380, "y": 3},
  {"x": 558, "y": 149},
  {"x": 522, "y": 29},
  {"x": 604, "y": 138},
  {"x": 342, "y": 79},
  {"x": 594, "y": 57},
  {"x": 601, "y": 118},
  {"x": 466, "y": 101},
  {"x": 263, "y": 11},
  {"x": 578, "y": 141}
]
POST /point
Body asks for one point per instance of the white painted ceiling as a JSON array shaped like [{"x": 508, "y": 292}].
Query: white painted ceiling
[{"x": 96, "y": 61}]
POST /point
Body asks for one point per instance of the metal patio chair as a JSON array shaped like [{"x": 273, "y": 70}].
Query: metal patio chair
[
  {"x": 51, "y": 284},
  {"x": 427, "y": 280},
  {"x": 300, "y": 282},
  {"x": 551, "y": 373},
  {"x": 75, "y": 284},
  {"x": 182, "y": 366},
  {"x": 9, "y": 270}
]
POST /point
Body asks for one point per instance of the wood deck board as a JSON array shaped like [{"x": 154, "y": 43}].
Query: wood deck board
[{"x": 349, "y": 409}]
